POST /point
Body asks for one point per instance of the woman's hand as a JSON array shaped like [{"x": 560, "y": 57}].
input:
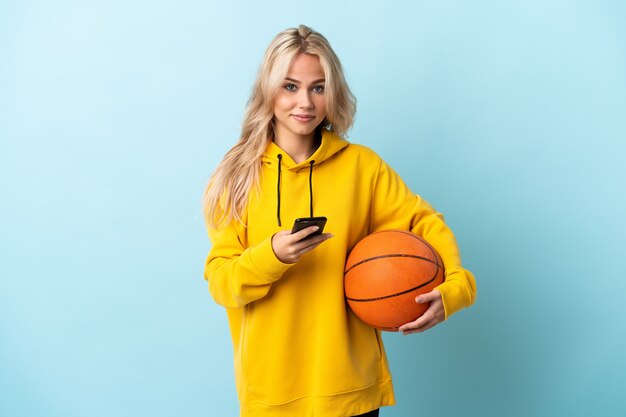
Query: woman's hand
[
  {"x": 431, "y": 317},
  {"x": 288, "y": 247}
]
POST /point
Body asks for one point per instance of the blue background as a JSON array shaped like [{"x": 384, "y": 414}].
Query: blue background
[{"x": 508, "y": 116}]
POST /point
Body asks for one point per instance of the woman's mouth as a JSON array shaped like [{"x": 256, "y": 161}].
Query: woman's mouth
[{"x": 303, "y": 118}]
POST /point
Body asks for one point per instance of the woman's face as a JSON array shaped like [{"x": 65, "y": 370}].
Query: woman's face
[{"x": 300, "y": 105}]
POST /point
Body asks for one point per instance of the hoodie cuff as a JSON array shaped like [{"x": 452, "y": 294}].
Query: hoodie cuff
[
  {"x": 264, "y": 260},
  {"x": 456, "y": 294}
]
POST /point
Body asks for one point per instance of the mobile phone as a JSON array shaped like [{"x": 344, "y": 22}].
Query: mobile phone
[{"x": 304, "y": 222}]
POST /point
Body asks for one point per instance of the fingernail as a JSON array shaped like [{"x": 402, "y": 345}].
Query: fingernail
[{"x": 316, "y": 228}]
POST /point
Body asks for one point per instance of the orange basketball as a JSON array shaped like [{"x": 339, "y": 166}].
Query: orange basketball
[{"x": 385, "y": 272}]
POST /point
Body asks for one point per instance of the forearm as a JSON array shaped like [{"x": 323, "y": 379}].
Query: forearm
[
  {"x": 459, "y": 288},
  {"x": 236, "y": 280}
]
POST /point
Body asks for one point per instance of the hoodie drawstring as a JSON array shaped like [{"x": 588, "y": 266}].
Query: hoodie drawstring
[
  {"x": 280, "y": 157},
  {"x": 311, "y": 187}
]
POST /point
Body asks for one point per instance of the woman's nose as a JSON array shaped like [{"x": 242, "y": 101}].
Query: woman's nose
[{"x": 304, "y": 100}]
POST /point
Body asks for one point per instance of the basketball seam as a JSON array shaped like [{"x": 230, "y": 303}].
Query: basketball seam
[
  {"x": 435, "y": 255},
  {"x": 411, "y": 234},
  {"x": 432, "y": 251},
  {"x": 391, "y": 255},
  {"x": 361, "y": 300}
]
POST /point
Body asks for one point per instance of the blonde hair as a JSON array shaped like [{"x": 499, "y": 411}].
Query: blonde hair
[{"x": 226, "y": 195}]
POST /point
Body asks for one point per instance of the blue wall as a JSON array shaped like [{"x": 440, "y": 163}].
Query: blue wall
[{"x": 508, "y": 116}]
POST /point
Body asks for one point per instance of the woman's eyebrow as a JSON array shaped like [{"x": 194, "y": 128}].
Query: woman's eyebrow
[{"x": 321, "y": 80}]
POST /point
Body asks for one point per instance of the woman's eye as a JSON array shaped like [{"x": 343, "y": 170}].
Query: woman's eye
[
  {"x": 318, "y": 89},
  {"x": 290, "y": 87}
]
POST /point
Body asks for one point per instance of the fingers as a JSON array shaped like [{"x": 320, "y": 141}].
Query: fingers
[
  {"x": 434, "y": 315},
  {"x": 305, "y": 243},
  {"x": 302, "y": 234},
  {"x": 289, "y": 247},
  {"x": 415, "y": 326},
  {"x": 312, "y": 243},
  {"x": 419, "y": 325},
  {"x": 428, "y": 297},
  {"x": 423, "y": 328}
]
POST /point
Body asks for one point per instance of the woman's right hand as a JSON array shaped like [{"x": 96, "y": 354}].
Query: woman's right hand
[{"x": 289, "y": 247}]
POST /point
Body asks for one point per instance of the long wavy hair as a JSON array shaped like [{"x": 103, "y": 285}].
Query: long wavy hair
[{"x": 226, "y": 195}]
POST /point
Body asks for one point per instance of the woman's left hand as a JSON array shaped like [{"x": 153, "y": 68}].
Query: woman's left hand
[{"x": 431, "y": 317}]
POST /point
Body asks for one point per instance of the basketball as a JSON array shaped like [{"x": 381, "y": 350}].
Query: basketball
[{"x": 384, "y": 273}]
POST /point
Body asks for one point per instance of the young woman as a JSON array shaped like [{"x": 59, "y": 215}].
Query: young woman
[{"x": 299, "y": 350}]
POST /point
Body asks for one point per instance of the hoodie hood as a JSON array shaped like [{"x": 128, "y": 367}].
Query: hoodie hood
[
  {"x": 331, "y": 144},
  {"x": 277, "y": 159}
]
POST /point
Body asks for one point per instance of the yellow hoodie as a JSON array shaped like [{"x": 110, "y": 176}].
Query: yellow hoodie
[{"x": 298, "y": 349}]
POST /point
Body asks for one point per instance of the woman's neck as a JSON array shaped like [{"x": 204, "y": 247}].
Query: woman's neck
[{"x": 298, "y": 148}]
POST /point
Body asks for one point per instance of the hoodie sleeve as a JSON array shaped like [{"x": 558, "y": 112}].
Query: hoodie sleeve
[
  {"x": 394, "y": 206},
  {"x": 239, "y": 275}
]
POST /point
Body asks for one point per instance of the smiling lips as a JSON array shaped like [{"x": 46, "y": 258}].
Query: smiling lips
[{"x": 304, "y": 118}]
